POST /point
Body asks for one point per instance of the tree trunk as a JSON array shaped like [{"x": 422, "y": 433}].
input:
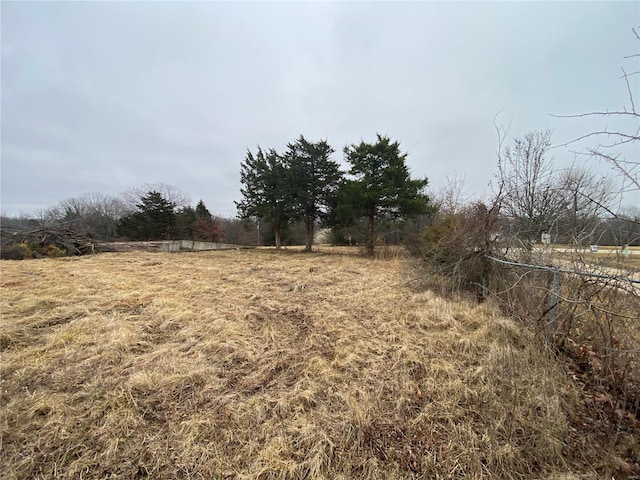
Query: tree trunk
[
  {"x": 370, "y": 239},
  {"x": 278, "y": 238},
  {"x": 310, "y": 227}
]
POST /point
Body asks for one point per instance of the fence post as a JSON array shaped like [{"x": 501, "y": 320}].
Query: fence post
[
  {"x": 552, "y": 308},
  {"x": 554, "y": 292}
]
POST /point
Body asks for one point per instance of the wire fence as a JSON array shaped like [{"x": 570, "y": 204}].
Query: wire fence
[
  {"x": 620, "y": 280},
  {"x": 588, "y": 316}
]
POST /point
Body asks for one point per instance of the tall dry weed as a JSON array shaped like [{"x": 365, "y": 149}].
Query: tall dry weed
[{"x": 249, "y": 364}]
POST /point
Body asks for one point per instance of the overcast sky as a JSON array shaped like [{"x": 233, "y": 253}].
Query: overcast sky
[{"x": 101, "y": 96}]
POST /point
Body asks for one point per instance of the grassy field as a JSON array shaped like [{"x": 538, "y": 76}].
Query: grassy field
[
  {"x": 607, "y": 256},
  {"x": 252, "y": 364}
]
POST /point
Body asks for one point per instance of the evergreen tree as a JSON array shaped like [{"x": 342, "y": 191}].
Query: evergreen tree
[
  {"x": 154, "y": 219},
  {"x": 381, "y": 186},
  {"x": 266, "y": 191},
  {"x": 184, "y": 221},
  {"x": 345, "y": 214},
  {"x": 203, "y": 212},
  {"x": 315, "y": 179}
]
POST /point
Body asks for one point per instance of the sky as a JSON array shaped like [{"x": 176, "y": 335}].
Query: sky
[{"x": 105, "y": 96}]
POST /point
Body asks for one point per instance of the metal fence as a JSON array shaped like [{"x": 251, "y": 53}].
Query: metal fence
[{"x": 618, "y": 280}]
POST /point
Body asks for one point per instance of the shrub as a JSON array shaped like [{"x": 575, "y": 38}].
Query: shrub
[
  {"x": 457, "y": 245},
  {"x": 17, "y": 251},
  {"x": 52, "y": 251}
]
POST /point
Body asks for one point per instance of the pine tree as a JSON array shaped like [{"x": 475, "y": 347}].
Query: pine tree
[
  {"x": 381, "y": 186},
  {"x": 184, "y": 220},
  {"x": 266, "y": 191},
  {"x": 315, "y": 179},
  {"x": 203, "y": 212},
  {"x": 205, "y": 227},
  {"x": 154, "y": 219}
]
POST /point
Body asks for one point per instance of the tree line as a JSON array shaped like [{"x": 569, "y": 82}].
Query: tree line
[
  {"x": 151, "y": 212},
  {"x": 284, "y": 193},
  {"x": 304, "y": 184},
  {"x": 571, "y": 205},
  {"x": 288, "y": 195}
]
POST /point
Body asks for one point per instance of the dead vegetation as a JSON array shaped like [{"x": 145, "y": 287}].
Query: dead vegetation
[
  {"x": 53, "y": 241},
  {"x": 251, "y": 364}
]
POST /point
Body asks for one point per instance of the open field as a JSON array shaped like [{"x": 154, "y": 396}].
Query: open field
[
  {"x": 252, "y": 364},
  {"x": 606, "y": 256}
]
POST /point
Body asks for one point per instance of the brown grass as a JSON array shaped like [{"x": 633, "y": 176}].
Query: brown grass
[
  {"x": 251, "y": 364},
  {"x": 607, "y": 256}
]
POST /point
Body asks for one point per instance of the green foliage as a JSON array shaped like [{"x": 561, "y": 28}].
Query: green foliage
[
  {"x": 314, "y": 182},
  {"x": 266, "y": 190},
  {"x": 184, "y": 221},
  {"x": 205, "y": 228},
  {"x": 30, "y": 249},
  {"x": 154, "y": 220},
  {"x": 18, "y": 251},
  {"x": 305, "y": 184},
  {"x": 202, "y": 212},
  {"x": 198, "y": 224},
  {"x": 380, "y": 188}
]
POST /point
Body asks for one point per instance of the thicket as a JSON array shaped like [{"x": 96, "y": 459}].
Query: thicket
[{"x": 23, "y": 250}]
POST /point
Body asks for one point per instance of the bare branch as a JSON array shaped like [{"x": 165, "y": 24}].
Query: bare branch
[
  {"x": 626, "y": 79},
  {"x": 609, "y": 211},
  {"x": 624, "y": 167},
  {"x": 591, "y": 114},
  {"x": 627, "y": 138}
]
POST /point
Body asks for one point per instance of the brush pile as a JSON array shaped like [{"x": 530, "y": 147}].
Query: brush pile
[{"x": 54, "y": 241}]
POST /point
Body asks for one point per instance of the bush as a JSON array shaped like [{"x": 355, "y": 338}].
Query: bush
[
  {"x": 17, "y": 251},
  {"x": 52, "y": 251},
  {"x": 436, "y": 243},
  {"x": 24, "y": 250},
  {"x": 457, "y": 245}
]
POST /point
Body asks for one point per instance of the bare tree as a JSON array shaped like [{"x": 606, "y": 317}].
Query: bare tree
[
  {"x": 528, "y": 188},
  {"x": 621, "y": 230},
  {"x": 581, "y": 214},
  {"x": 96, "y": 213},
  {"x": 452, "y": 196},
  {"x": 132, "y": 195},
  {"x": 612, "y": 146}
]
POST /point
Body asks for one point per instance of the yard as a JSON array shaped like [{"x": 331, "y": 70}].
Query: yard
[{"x": 253, "y": 364}]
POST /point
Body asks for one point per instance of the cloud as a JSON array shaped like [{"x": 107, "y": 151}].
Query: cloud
[{"x": 101, "y": 96}]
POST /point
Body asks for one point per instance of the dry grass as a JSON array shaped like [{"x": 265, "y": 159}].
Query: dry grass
[
  {"x": 607, "y": 256},
  {"x": 251, "y": 364}
]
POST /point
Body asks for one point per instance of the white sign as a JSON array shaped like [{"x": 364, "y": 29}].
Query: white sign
[
  {"x": 594, "y": 248},
  {"x": 546, "y": 238}
]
